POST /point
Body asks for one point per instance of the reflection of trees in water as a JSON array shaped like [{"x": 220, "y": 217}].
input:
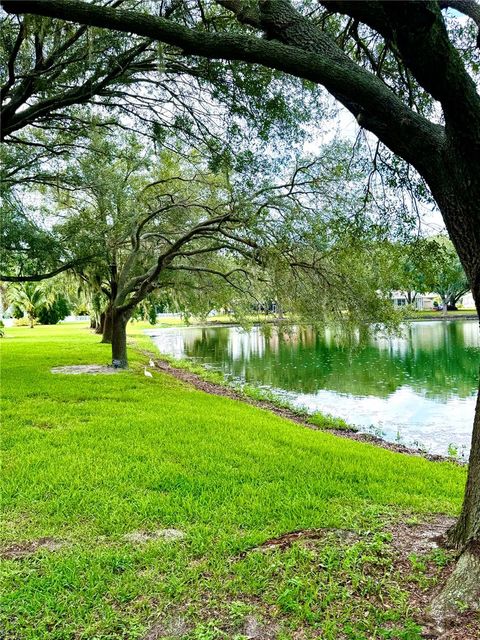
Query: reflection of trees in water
[{"x": 439, "y": 359}]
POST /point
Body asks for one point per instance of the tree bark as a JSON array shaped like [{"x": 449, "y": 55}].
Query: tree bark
[
  {"x": 119, "y": 339},
  {"x": 458, "y": 200},
  {"x": 458, "y": 203},
  {"x": 466, "y": 531},
  {"x": 461, "y": 589},
  {"x": 463, "y": 585},
  {"x": 107, "y": 327},
  {"x": 100, "y": 324},
  {"x": 467, "y": 528}
]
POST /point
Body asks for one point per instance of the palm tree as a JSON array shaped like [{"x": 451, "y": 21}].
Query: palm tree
[{"x": 29, "y": 297}]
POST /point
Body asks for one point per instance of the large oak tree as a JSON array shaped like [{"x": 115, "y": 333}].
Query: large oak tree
[
  {"x": 61, "y": 82},
  {"x": 163, "y": 223},
  {"x": 395, "y": 67}
]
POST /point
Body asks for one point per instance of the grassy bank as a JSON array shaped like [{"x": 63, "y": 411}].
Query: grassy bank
[
  {"x": 222, "y": 319},
  {"x": 249, "y": 392},
  {"x": 97, "y": 468},
  {"x": 439, "y": 315}
]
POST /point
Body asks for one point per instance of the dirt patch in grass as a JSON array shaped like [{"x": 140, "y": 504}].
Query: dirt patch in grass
[
  {"x": 227, "y": 392},
  {"x": 421, "y": 538},
  {"x": 141, "y": 537},
  {"x": 406, "y": 562},
  {"x": 42, "y": 424},
  {"x": 256, "y": 630},
  {"x": 90, "y": 369},
  {"x": 175, "y": 627},
  {"x": 344, "y": 536},
  {"x": 20, "y": 550}
]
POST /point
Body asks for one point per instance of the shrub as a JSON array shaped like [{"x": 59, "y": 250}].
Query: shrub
[
  {"x": 55, "y": 312},
  {"x": 152, "y": 314},
  {"x": 17, "y": 312},
  {"x": 326, "y": 421}
]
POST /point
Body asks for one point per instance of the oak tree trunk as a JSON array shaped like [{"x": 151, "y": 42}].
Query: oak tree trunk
[
  {"x": 100, "y": 324},
  {"x": 467, "y": 528},
  {"x": 466, "y": 532},
  {"x": 452, "y": 304},
  {"x": 444, "y": 306},
  {"x": 107, "y": 327},
  {"x": 460, "y": 209},
  {"x": 459, "y": 199},
  {"x": 119, "y": 339}
]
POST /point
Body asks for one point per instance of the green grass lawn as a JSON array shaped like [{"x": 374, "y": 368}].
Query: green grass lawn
[
  {"x": 89, "y": 459},
  {"x": 440, "y": 314}
]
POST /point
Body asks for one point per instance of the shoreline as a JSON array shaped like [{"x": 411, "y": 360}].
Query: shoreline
[
  {"x": 219, "y": 389},
  {"x": 257, "y": 323},
  {"x": 464, "y": 316}
]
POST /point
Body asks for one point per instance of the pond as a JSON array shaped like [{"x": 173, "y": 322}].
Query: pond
[{"x": 418, "y": 389}]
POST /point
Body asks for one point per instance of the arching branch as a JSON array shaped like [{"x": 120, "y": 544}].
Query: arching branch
[
  {"x": 314, "y": 57},
  {"x": 469, "y": 8},
  {"x": 36, "y": 277}
]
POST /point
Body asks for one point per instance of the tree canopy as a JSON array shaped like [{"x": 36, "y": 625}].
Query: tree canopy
[{"x": 391, "y": 64}]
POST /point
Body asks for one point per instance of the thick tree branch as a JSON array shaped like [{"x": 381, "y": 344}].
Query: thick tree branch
[
  {"x": 45, "y": 276},
  {"x": 225, "y": 276},
  {"x": 469, "y": 8},
  {"x": 144, "y": 283},
  {"x": 419, "y": 33},
  {"x": 246, "y": 13},
  {"x": 11, "y": 62},
  {"x": 313, "y": 57}
]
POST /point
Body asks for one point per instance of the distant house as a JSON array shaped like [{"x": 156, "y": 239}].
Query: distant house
[
  {"x": 466, "y": 301},
  {"x": 422, "y": 301}
]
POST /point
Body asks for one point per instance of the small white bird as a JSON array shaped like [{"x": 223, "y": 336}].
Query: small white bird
[
  {"x": 151, "y": 363},
  {"x": 147, "y": 373}
]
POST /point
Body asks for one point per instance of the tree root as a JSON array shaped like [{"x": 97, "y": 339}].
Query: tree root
[{"x": 461, "y": 591}]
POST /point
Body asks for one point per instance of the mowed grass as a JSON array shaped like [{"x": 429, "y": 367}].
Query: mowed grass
[
  {"x": 440, "y": 315},
  {"x": 89, "y": 459}
]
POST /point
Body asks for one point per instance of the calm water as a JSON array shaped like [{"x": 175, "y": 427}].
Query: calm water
[{"x": 419, "y": 389}]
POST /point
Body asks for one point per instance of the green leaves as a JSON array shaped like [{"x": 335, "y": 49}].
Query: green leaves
[{"x": 449, "y": 279}]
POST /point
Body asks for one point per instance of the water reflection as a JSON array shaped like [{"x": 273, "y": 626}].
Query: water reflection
[{"x": 419, "y": 387}]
